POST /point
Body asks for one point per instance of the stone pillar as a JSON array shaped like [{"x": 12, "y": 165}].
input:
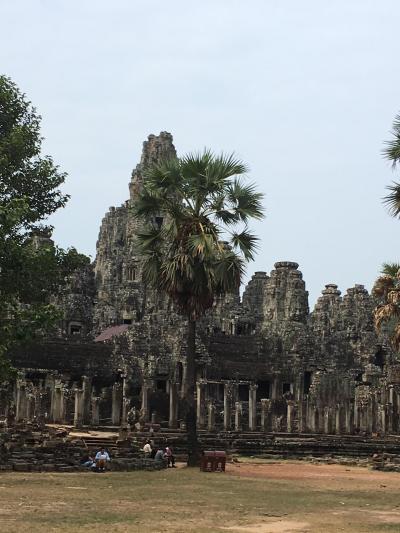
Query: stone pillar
[
  {"x": 95, "y": 419},
  {"x": 30, "y": 407},
  {"x": 238, "y": 416},
  {"x": 314, "y": 419},
  {"x": 253, "y": 407},
  {"x": 338, "y": 420},
  {"x": 211, "y": 416},
  {"x": 200, "y": 404},
  {"x": 327, "y": 420},
  {"x": 173, "y": 405},
  {"x": 125, "y": 401},
  {"x": 78, "y": 412},
  {"x": 290, "y": 416},
  {"x": 58, "y": 403},
  {"x": 184, "y": 380},
  {"x": 356, "y": 416},
  {"x": 38, "y": 403},
  {"x": 145, "y": 410},
  {"x": 86, "y": 399},
  {"x": 302, "y": 416},
  {"x": 21, "y": 403},
  {"x": 227, "y": 406},
  {"x": 383, "y": 419},
  {"x": 276, "y": 392},
  {"x": 116, "y": 404},
  {"x": 348, "y": 415},
  {"x": 266, "y": 415}
]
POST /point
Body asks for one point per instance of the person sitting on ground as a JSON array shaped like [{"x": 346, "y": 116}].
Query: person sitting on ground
[
  {"x": 159, "y": 456},
  {"x": 102, "y": 458},
  {"x": 87, "y": 461},
  {"x": 169, "y": 456},
  {"x": 147, "y": 449},
  {"x": 153, "y": 449}
]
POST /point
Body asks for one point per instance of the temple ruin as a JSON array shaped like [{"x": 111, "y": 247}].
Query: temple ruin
[{"x": 265, "y": 363}]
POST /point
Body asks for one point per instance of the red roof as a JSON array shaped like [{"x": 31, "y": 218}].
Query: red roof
[{"x": 110, "y": 332}]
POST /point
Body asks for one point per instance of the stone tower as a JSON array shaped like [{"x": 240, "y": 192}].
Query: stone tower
[{"x": 121, "y": 295}]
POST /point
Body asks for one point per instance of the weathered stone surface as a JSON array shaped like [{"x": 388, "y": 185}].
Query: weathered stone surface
[{"x": 324, "y": 371}]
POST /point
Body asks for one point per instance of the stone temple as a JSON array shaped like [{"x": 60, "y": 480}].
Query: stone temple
[{"x": 265, "y": 363}]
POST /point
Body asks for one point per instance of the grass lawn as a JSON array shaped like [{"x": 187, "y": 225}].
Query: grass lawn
[{"x": 257, "y": 498}]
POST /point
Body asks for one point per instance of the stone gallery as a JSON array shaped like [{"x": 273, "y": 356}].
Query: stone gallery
[{"x": 265, "y": 363}]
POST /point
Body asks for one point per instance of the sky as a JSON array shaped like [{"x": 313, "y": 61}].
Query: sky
[{"x": 304, "y": 92}]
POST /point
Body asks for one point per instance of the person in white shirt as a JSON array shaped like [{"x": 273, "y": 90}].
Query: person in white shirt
[
  {"x": 102, "y": 458},
  {"x": 147, "y": 449}
]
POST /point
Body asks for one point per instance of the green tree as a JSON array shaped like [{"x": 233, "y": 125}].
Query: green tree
[
  {"x": 29, "y": 193},
  {"x": 386, "y": 290},
  {"x": 196, "y": 242},
  {"x": 392, "y": 154}
]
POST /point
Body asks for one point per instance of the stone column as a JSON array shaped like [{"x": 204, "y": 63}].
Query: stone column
[
  {"x": 211, "y": 416},
  {"x": 30, "y": 407},
  {"x": 238, "y": 416},
  {"x": 20, "y": 408},
  {"x": 78, "y": 412},
  {"x": 58, "y": 403},
  {"x": 302, "y": 415},
  {"x": 184, "y": 379},
  {"x": 116, "y": 404},
  {"x": 266, "y": 414},
  {"x": 327, "y": 420},
  {"x": 95, "y": 419},
  {"x": 390, "y": 417},
  {"x": 290, "y": 416},
  {"x": 314, "y": 419},
  {"x": 338, "y": 420},
  {"x": 145, "y": 411},
  {"x": 173, "y": 405},
  {"x": 253, "y": 407},
  {"x": 200, "y": 404},
  {"x": 125, "y": 401},
  {"x": 86, "y": 399},
  {"x": 227, "y": 406},
  {"x": 276, "y": 388},
  {"x": 348, "y": 415}
]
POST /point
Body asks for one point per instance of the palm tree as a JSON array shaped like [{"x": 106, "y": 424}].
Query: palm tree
[
  {"x": 196, "y": 242},
  {"x": 387, "y": 291},
  {"x": 392, "y": 153}
]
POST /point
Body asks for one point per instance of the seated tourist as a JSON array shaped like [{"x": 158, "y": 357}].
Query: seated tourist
[
  {"x": 147, "y": 449},
  {"x": 159, "y": 456},
  {"x": 102, "y": 458},
  {"x": 87, "y": 461},
  {"x": 168, "y": 455}
]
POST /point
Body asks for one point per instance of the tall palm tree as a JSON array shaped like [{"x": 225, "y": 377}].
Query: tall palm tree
[
  {"x": 392, "y": 153},
  {"x": 196, "y": 242},
  {"x": 387, "y": 291}
]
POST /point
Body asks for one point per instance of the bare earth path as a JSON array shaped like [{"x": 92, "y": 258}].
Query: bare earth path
[{"x": 253, "y": 498}]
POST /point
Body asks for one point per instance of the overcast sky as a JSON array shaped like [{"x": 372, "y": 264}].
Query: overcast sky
[{"x": 304, "y": 91}]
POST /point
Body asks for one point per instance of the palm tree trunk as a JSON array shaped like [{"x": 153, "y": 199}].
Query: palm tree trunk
[{"x": 191, "y": 422}]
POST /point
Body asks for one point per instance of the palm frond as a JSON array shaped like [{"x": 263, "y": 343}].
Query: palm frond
[
  {"x": 246, "y": 242},
  {"x": 384, "y": 313},
  {"x": 391, "y": 269},
  {"x": 382, "y": 286},
  {"x": 247, "y": 203},
  {"x": 392, "y": 200},
  {"x": 392, "y": 150}
]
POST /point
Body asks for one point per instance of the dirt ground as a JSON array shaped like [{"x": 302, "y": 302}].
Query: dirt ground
[{"x": 255, "y": 498}]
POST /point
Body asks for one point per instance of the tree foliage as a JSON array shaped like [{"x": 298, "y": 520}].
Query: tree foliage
[
  {"x": 200, "y": 248},
  {"x": 29, "y": 193},
  {"x": 196, "y": 241},
  {"x": 387, "y": 292}
]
